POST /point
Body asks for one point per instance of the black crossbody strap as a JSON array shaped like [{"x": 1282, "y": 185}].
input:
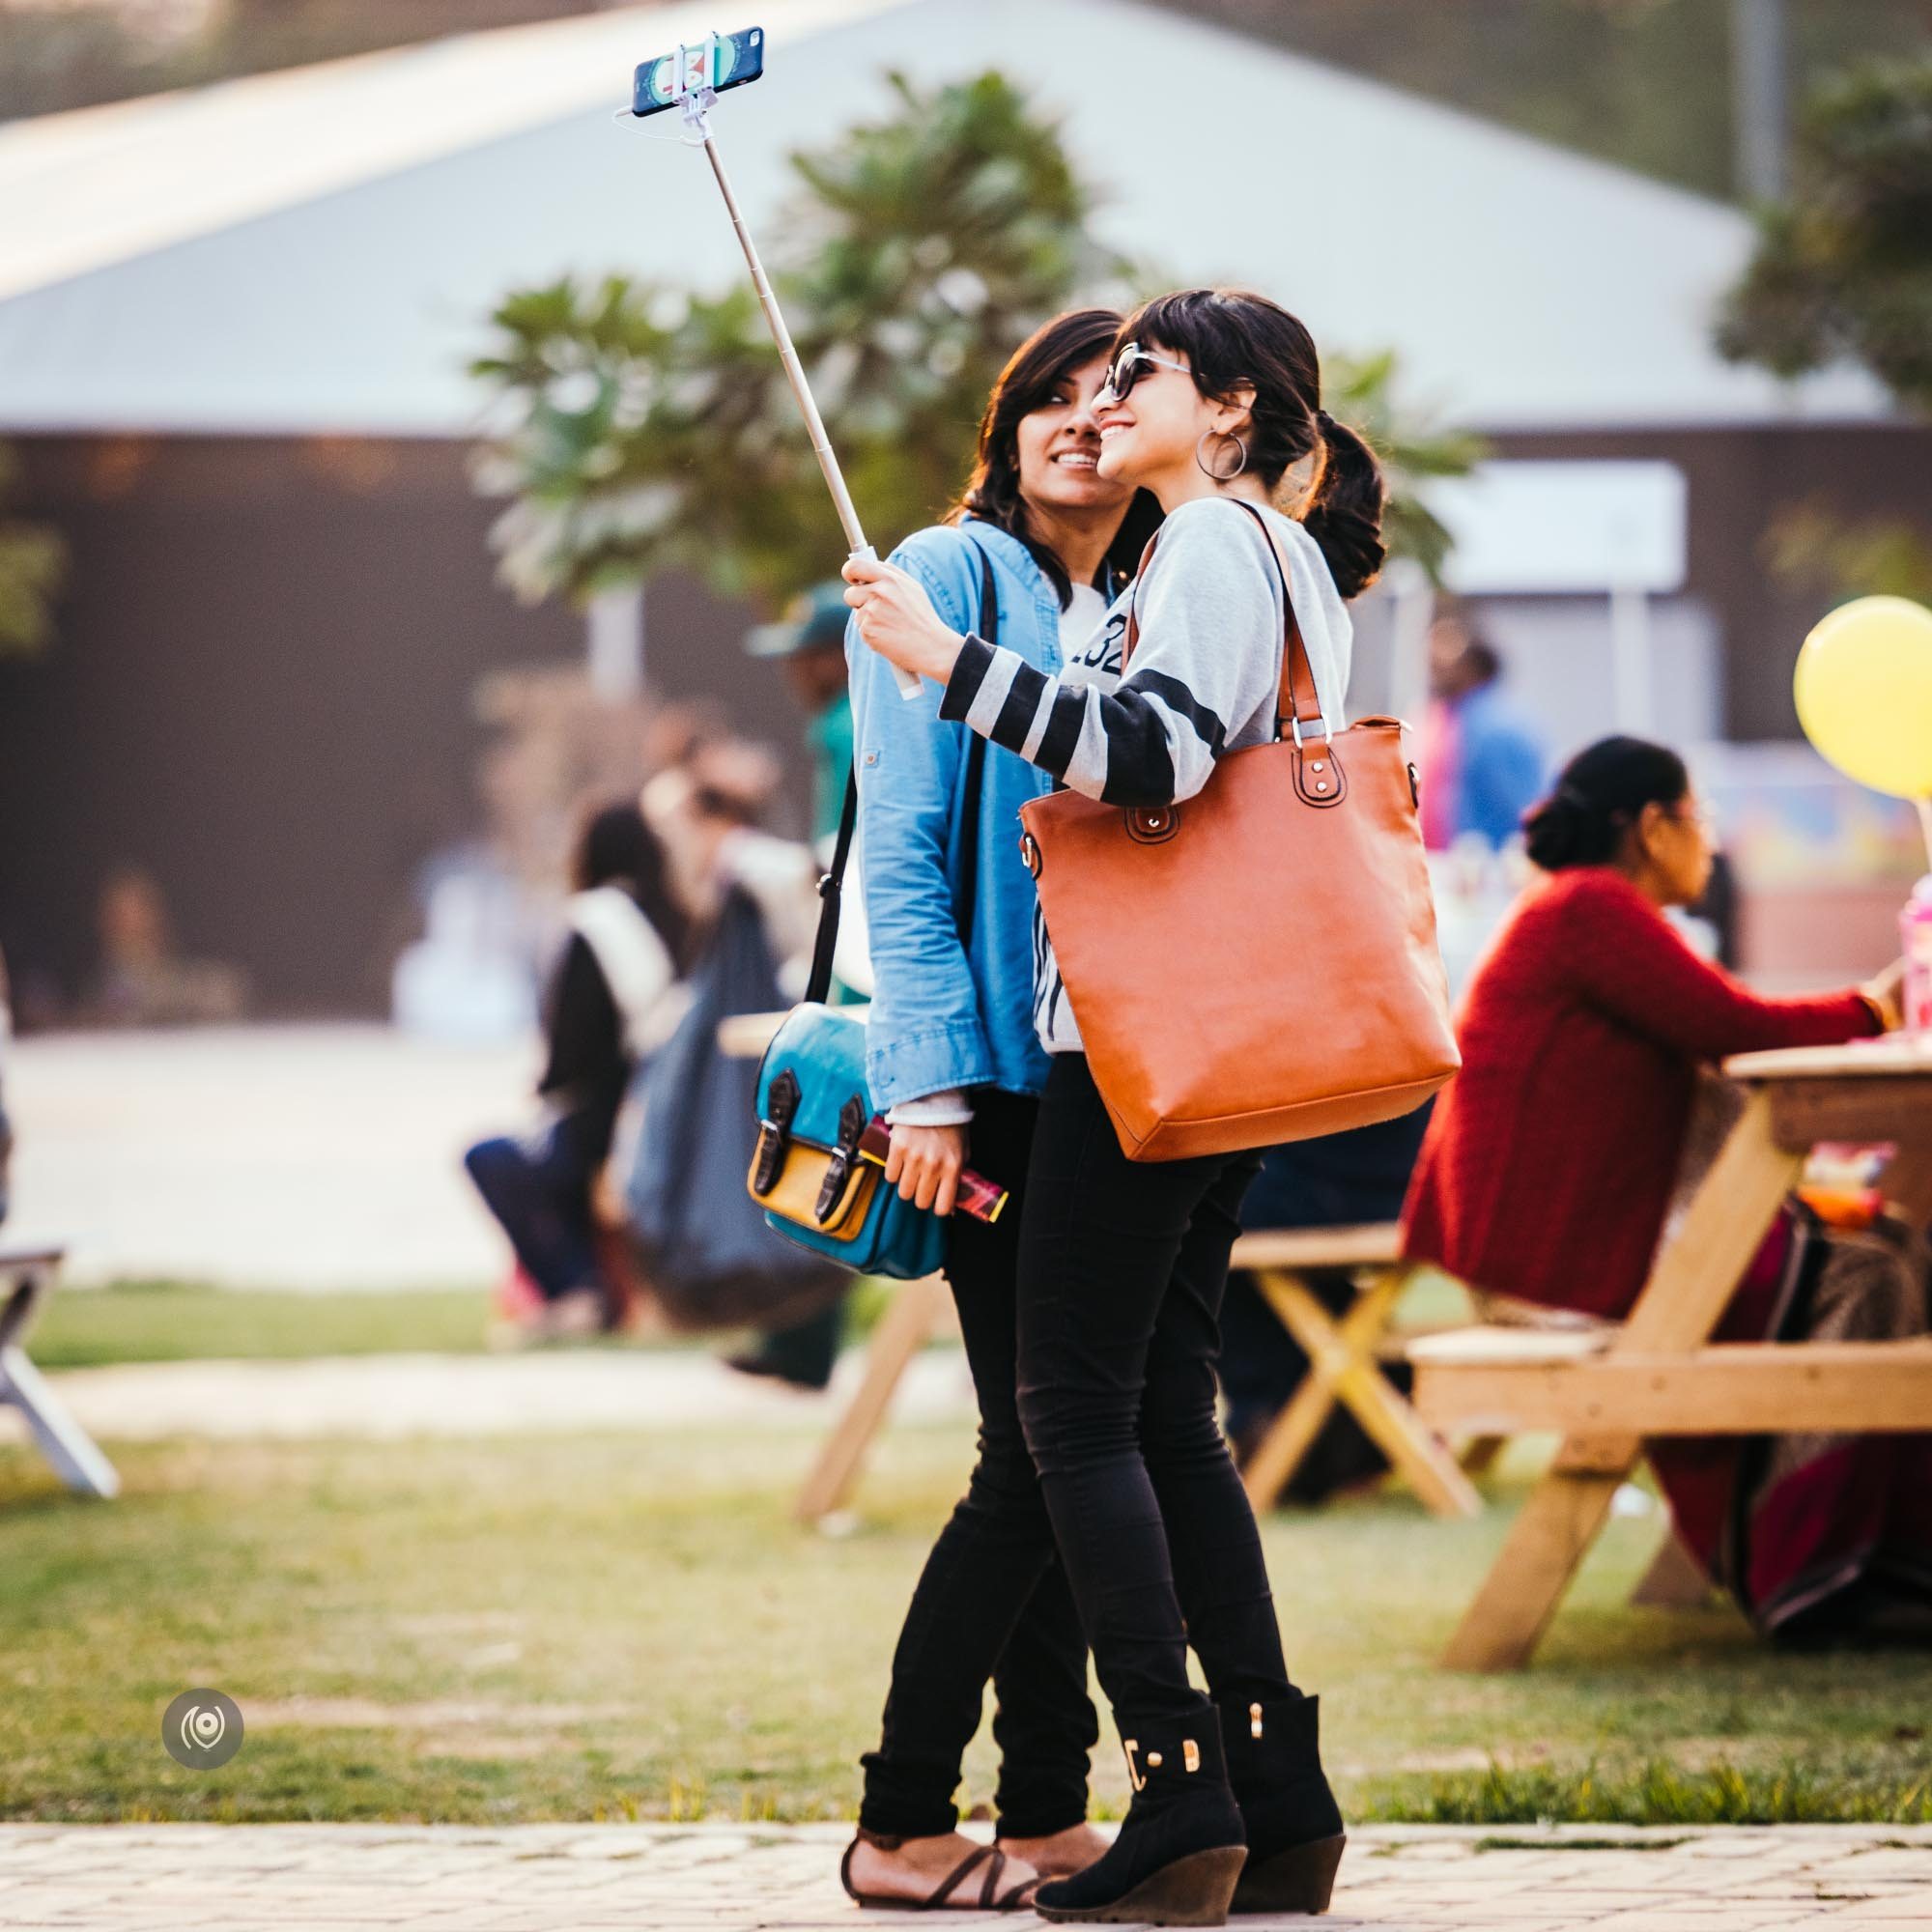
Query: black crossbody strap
[{"x": 832, "y": 885}]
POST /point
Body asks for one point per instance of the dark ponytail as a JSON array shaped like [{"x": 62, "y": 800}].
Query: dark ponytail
[
  {"x": 1232, "y": 337},
  {"x": 1600, "y": 794},
  {"x": 1345, "y": 516}
]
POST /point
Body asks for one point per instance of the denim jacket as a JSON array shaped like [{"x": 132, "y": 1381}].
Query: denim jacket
[{"x": 946, "y": 1016}]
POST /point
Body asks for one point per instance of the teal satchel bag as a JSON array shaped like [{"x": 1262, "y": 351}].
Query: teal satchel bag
[{"x": 820, "y": 1167}]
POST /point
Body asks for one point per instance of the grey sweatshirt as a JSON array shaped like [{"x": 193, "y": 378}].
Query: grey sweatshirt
[{"x": 1206, "y": 670}]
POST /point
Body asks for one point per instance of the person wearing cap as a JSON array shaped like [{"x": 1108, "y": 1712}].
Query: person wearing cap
[{"x": 808, "y": 645}]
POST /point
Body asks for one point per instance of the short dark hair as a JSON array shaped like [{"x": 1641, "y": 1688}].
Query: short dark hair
[
  {"x": 1600, "y": 795},
  {"x": 1483, "y": 660},
  {"x": 1233, "y": 336},
  {"x": 1051, "y": 353}
]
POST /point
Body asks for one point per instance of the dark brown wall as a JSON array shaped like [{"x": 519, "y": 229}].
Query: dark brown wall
[
  {"x": 261, "y": 691},
  {"x": 1738, "y": 480}
]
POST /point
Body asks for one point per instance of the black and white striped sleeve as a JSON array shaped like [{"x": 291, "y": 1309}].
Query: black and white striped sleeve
[{"x": 1208, "y": 657}]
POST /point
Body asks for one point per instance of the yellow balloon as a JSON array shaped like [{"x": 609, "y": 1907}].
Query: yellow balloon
[{"x": 1863, "y": 687}]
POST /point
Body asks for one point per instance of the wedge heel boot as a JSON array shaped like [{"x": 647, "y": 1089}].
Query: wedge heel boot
[
  {"x": 1179, "y": 1852},
  {"x": 1289, "y": 1814}
]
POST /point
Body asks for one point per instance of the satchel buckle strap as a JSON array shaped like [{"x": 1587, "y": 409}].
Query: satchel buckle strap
[
  {"x": 775, "y": 1131},
  {"x": 852, "y": 1119}
]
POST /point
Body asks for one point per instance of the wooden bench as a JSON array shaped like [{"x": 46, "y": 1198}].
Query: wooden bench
[
  {"x": 27, "y": 1276},
  {"x": 1658, "y": 1373},
  {"x": 1345, "y": 1361},
  {"x": 1344, "y": 1366}
]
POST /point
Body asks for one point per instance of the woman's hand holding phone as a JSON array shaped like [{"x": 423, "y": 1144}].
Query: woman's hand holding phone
[
  {"x": 897, "y": 621},
  {"x": 923, "y": 1164}
]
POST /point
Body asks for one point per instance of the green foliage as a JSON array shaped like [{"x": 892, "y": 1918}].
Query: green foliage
[
  {"x": 1641, "y": 84},
  {"x": 1843, "y": 269},
  {"x": 33, "y": 561},
  {"x": 1811, "y": 547},
  {"x": 649, "y": 426},
  {"x": 1412, "y": 449},
  {"x": 1657, "y": 1793}
]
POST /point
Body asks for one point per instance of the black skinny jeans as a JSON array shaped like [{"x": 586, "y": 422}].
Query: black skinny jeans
[
  {"x": 992, "y": 1601},
  {"x": 1122, "y": 1269}
]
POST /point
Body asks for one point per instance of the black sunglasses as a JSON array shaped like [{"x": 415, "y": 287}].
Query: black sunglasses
[{"x": 1127, "y": 369}]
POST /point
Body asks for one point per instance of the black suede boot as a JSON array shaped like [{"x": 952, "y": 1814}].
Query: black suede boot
[
  {"x": 1293, "y": 1823},
  {"x": 1179, "y": 1848}
]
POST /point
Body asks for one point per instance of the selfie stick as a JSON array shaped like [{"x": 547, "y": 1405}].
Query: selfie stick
[{"x": 692, "y": 87}]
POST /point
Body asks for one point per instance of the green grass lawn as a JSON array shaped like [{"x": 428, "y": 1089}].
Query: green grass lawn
[
  {"x": 601, "y": 1626},
  {"x": 172, "y": 1320}
]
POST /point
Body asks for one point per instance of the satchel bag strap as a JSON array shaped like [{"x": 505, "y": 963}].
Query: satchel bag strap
[
  {"x": 1318, "y": 776},
  {"x": 830, "y": 886}
]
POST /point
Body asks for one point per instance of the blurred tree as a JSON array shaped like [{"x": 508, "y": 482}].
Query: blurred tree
[
  {"x": 641, "y": 427},
  {"x": 1843, "y": 271},
  {"x": 33, "y": 559}
]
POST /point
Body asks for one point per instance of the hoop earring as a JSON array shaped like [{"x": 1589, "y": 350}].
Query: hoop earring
[{"x": 1222, "y": 435}]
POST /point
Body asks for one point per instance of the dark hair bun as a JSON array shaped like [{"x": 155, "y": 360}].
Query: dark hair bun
[
  {"x": 1600, "y": 795},
  {"x": 1553, "y": 832}
]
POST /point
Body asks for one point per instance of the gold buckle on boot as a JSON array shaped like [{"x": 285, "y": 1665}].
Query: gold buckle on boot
[{"x": 1135, "y": 1776}]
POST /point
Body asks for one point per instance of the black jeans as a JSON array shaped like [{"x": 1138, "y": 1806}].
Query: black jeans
[
  {"x": 1120, "y": 1273},
  {"x": 992, "y": 1601}
]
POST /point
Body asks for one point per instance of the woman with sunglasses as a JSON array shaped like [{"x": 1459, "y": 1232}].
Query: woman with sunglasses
[
  {"x": 952, "y": 1058},
  {"x": 1213, "y": 400}
]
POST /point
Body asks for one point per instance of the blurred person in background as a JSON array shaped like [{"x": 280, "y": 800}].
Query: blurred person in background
[
  {"x": 613, "y": 996},
  {"x": 1482, "y": 765},
  {"x": 1550, "y": 1163},
  {"x": 708, "y": 810},
  {"x": 143, "y": 978},
  {"x": 808, "y": 645}
]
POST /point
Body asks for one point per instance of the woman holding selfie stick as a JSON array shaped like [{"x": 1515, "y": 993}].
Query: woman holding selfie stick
[
  {"x": 1213, "y": 397},
  {"x": 1037, "y": 546}
]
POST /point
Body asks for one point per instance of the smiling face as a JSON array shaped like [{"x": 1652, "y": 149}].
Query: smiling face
[
  {"x": 1150, "y": 436},
  {"x": 1059, "y": 447}
]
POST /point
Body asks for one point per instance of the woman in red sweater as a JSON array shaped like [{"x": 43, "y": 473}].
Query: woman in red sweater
[{"x": 1550, "y": 1162}]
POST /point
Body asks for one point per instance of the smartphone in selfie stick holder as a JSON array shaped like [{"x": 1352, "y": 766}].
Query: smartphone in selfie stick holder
[{"x": 691, "y": 80}]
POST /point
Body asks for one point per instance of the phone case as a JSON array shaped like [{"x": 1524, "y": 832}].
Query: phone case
[{"x": 739, "y": 58}]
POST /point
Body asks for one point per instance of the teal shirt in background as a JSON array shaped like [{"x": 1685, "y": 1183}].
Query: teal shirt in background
[{"x": 829, "y": 737}]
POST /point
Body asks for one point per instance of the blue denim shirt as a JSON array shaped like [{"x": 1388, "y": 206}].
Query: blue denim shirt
[{"x": 943, "y": 1016}]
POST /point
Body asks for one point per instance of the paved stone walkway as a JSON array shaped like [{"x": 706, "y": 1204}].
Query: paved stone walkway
[{"x": 668, "y": 1878}]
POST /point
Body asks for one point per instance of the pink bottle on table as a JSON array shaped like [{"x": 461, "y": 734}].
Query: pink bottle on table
[{"x": 1914, "y": 932}]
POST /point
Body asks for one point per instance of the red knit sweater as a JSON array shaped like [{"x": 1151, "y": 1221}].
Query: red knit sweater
[{"x": 1550, "y": 1160}]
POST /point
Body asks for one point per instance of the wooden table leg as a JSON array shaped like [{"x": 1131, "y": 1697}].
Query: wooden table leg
[
  {"x": 1689, "y": 1287},
  {"x": 1341, "y": 1367},
  {"x": 914, "y": 1313},
  {"x": 1291, "y": 1433}
]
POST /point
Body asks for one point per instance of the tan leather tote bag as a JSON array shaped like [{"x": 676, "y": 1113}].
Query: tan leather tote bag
[{"x": 1258, "y": 963}]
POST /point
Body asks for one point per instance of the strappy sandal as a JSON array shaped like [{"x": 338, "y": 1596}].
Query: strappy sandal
[{"x": 941, "y": 1900}]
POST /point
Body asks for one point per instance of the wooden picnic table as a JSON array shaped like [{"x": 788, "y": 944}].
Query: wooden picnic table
[{"x": 1658, "y": 1374}]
